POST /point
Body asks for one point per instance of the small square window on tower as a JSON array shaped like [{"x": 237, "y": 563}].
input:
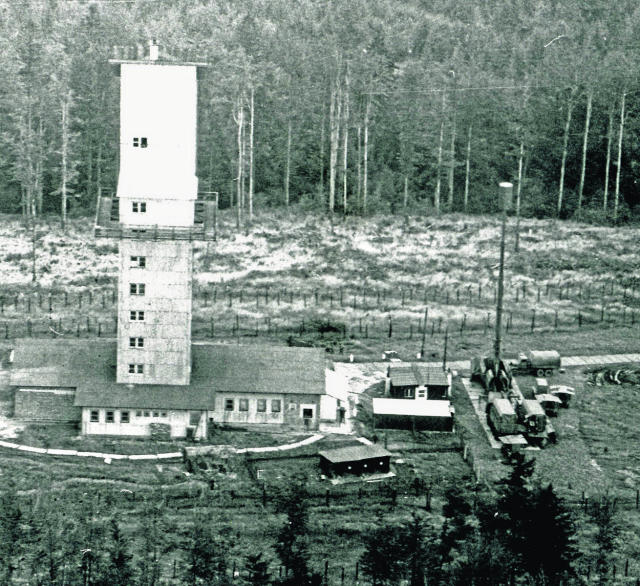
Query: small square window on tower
[
  {"x": 136, "y": 141},
  {"x": 139, "y": 207},
  {"x": 143, "y": 142},
  {"x": 136, "y": 368},
  {"x": 136, "y": 316},
  {"x": 138, "y": 262},
  {"x": 136, "y": 289},
  {"x": 136, "y": 342}
]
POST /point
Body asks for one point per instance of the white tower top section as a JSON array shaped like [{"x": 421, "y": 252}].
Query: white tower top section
[{"x": 158, "y": 113}]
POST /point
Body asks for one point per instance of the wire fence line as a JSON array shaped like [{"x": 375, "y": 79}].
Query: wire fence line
[{"x": 609, "y": 292}]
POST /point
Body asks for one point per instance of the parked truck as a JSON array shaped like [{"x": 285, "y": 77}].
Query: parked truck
[
  {"x": 502, "y": 417},
  {"x": 541, "y": 363},
  {"x": 538, "y": 429}
]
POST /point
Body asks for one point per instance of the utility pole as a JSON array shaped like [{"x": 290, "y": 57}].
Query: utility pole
[
  {"x": 506, "y": 194},
  {"x": 444, "y": 353}
]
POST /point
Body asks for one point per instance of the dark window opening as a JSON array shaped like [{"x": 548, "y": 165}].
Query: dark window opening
[
  {"x": 109, "y": 416},
  {"x": 143, "y": 142},
  {"x": 136, "y": 142},
  {"x": 124, "y": 417},
  {"x": 307, "y": 413},
  {"x": 95, "y": 416},
  {"x": 228, "y": 404}
]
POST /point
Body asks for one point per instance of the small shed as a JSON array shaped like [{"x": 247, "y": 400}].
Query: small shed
[
  {"x": 362, "y": 459},
  {"x": 418, "y": 381},
  {"x": 432, "y": 415}
]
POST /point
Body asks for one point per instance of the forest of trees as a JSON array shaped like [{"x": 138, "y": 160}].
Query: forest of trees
[
  {"x": 353, "y": 106},
  {"x": 521, "y": 533}
]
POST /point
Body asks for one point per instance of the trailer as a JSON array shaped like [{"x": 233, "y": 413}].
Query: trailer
[
  {"x": 550, "y": 403},
  {"x": 563, "y": 392},
  {"x": 541, "y": 363}
]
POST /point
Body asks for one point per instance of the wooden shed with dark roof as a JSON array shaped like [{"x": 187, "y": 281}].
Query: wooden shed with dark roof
[
  {"x": 360, "y": 459},
  {"x": 407, "y": 380},
  {"x": 230, "y": 385}
]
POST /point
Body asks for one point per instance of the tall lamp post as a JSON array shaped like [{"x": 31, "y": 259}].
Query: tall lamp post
[{"x": 506, "y": 195}]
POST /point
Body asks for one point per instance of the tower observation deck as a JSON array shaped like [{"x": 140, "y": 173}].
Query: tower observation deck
[{"x": 153, "y": 216}]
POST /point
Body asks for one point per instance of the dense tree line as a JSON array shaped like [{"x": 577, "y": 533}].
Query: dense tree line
[
  {"x": 351, "y": 106},
  {"x": 521, "y": 533}
]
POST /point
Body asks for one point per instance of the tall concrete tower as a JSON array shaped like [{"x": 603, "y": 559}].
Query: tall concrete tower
[{"x": 155, "y": 201}]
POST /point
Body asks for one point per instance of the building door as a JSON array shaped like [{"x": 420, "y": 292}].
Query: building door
[{"x": 308, "y": 415}]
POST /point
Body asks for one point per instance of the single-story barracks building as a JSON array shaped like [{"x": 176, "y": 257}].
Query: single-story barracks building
[{"x": 246, "y": 386}]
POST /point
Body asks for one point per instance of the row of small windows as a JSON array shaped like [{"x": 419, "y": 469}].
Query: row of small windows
[
  {"x": 140, "y": 142},
  {"x": 109, "y": 416},
  {"x": 261, "y": 406},
  {"x": 125, "y": 416}
]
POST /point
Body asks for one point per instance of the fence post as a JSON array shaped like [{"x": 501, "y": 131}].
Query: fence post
[
  {"x": 212, "y": 328},
  {"x": 390, "y": 333},
  {"x": 357, "y": 570},
  {"x": 6, "y": 333},
  {"x": 555, "y": 321},
  {"x": 533, "y": 319},
  {"x": 326, "y": 570}
]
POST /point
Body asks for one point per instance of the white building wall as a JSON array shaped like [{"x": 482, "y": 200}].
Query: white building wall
[
  {"x": 166, "y": 329},
  {"x": 158, "y": 103},
  {"x": 139, "y": 421},
  {"x": 252, "y": 415}
]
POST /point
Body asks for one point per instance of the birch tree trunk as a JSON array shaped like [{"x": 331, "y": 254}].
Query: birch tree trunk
[
  {"x": 359, "y": 165},
  {"x": 608, "y": 162},
  {"x": 365, "y": 160},
  {"x": 619, "y": 169},
  {"x": 405, "y": 199},
  {"x": 585, "y": 143},
  {"x": 453, "y": 154},
  {"x": 322, "y": 131},
  {"x": 287, "y": 167},
  {"x": 345, "y": 144},
  {"x": 334, "y": 123},
  {"x": 251, "y": 126},
  {"x": 565, "y": 143},
  {"x": 518, "y": 195},
  {"x": 63, "y": 165},
  {"x": 39, "y": 177},
  {"x": 436, "y": 195},
  {"x": 239, "y": 119},
  {"x": 467, "y": 169}
]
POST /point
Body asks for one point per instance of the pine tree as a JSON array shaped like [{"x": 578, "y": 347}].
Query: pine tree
[
  {"x": 257, "y": 570},
  {"x": 292, "y": 541},
  {"x": 383, "y": 560},
  {"x": 551, "y": 541},
  {"x": 117, "y": 569},
  {"x": 11, "y": 532}
]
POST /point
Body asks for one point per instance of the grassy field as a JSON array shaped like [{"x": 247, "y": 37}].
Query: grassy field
[
  {"x": 260, "y": 285},
  {"x": 271, "y": 281}
]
